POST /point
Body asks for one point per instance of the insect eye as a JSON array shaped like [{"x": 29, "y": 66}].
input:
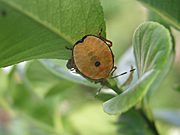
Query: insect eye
[{"x": 97, "y": 63}]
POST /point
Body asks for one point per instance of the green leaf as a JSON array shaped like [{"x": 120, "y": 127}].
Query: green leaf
[
  {"x": 124, "y": 64},
  {"x": 132, "y": 123},
  {"x": 153, "y": 16},
  {"x": 168, "y": 9},
  {"x": 66, "y": 74},
  {"x": 168, "y": 115},
  {"x": 152, "y": 46},
  {"x": 27, "y": 104},
  {"x": 166, "y": 128},
  {"x": 42, "y": 113},
  {"x": 42, "y": 29},
  {"x": 167, "y": 121},
  {"x": 45, "y": 82},
  {"x": 176, "y": 87},
  {"x": 3, "y": 82},
  {"x": 161, "y": 76}
]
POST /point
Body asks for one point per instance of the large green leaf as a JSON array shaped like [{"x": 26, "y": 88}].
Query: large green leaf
[
  {"x": 169, "y": 9},
  {"x": 39, "y": 29},
  {"x": 152, "y": 47},
  {"x": 153, "y": 16}
]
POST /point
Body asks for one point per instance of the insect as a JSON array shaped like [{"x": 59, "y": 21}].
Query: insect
[{"x": 92, "y": 58}]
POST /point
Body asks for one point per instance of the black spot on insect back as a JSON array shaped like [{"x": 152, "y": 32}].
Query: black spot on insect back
[
  {"x": 97, "y": 63},
  {"x": 3, "y": 13}
]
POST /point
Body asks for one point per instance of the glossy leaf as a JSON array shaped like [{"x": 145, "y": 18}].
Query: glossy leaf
[
  {"x": 40, "y": 29},
  {"x": 152, "y": 47},
  {"x": 168, "y": 9}
]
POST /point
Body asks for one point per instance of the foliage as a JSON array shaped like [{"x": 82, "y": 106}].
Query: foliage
[{"x": 42, "y": 97}]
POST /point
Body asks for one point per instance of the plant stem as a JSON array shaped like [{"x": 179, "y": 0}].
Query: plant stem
[{"x": 150, "y": 124}]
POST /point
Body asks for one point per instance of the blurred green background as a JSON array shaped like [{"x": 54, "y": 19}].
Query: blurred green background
[{"x": 74, "y": 111}]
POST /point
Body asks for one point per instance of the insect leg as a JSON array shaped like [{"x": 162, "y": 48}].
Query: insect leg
[
  {"x": 114, "y": 69},
  {"x": 96, "y": 81},
  {"x": 68, "y": 48},
  {"x": 99, "y": 34},
  {"x": 100, "y": 88},
  {"x": 72, "y": 62}
]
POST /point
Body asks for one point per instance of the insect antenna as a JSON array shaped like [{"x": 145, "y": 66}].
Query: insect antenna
[{"x": 121, "y": 74}]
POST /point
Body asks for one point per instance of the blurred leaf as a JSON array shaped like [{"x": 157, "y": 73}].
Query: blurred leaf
[
  {"x": 60, "y": 87},
  {"x": 105, "y": 96},
  {"x": 169, "y": 9},
  {"x": 153, "y": 16},
  {"x": 91, "y": 120},
  {"x": 52, "y": 79},
  {"x": 42, "y": 29},
  {"x": 132, "y": 123},
  {"x": 43, "y": 81},
  {"x": 165, "y": 128},
  {"x": 168, "y": 115},
  {"x": 45, "y": 113},
  {"x": 27, "y": 105},
  {"x": 152, "y": 47},
  {"x": 176, "y": 87},
  {"x": 3, "y": 82}
]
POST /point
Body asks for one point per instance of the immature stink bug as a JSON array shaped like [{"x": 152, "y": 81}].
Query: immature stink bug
[{"x": 92, "y": 58}]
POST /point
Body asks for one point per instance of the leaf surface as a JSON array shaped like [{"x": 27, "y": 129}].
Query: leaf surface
[
  {"x": 152, "y": 46},
  {"x": 168, "y": 9},
  {"x": 40, "y": 29}
]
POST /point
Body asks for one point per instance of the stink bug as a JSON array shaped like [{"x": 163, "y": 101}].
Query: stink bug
[{"x": 92, "y": 58}]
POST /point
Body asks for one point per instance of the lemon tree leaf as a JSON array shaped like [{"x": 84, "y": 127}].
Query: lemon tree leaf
[
  {"x": 152, "y": 47},
  {"x": 41, "y": 29}
]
